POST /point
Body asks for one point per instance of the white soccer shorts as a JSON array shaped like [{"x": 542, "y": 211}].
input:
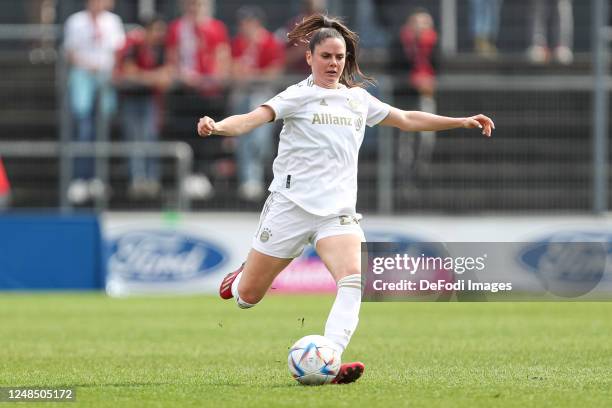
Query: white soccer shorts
[{"x": 285, "y": 228}]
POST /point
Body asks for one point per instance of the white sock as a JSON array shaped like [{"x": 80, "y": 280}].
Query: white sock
[
  {"x": 235, "y": 286},
  {"x": 344, "y": 314},
  {"x": 241, "y": 303}
]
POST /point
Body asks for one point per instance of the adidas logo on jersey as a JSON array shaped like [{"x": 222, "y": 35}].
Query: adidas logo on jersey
[{"x": 323, "y": 103}]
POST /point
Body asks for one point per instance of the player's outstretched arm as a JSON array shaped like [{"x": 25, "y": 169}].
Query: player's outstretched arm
[
  {"x": 415, "y": 121},
  {"x": 235, "y": 125}
]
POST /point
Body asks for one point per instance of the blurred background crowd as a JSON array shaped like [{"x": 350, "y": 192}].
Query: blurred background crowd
[{"x": 144, "y": 71}]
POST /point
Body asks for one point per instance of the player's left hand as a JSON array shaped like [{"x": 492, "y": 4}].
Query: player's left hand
[{"x": 480, "y": 121}]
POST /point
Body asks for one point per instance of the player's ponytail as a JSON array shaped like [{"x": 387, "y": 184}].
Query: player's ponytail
[{"x": 317, "y": 28}]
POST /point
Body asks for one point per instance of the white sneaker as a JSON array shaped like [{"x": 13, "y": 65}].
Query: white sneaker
[
  {"x": 564, "y": 55},
  {"x": 251, "y": 191},
  {"x": 78, "y": 191},
  {"x": 538, "y": 54},
  {"x": 198, "y": 187}
]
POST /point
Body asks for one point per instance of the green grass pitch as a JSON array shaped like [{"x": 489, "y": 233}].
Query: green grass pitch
[{"x": 201, "y": 351}]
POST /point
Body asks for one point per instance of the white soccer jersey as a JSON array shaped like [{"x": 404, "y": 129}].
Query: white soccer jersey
[{"x": 316, "y": 166}]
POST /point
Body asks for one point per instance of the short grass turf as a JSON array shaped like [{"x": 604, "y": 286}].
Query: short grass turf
[{"x": 201, "y": 351}]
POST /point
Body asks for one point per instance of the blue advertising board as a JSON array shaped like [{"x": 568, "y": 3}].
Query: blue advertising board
[{"x": 50, "y": 252}]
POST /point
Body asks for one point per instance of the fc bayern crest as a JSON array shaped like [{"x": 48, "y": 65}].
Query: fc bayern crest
[
  {"x": 358, "y": 123},
  {"x": 265, "y": 235}
]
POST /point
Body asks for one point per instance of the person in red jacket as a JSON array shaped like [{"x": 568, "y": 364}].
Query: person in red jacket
[
  {"x": 258, "y": 58},
  {"x": 418, "y": 39},
  {"x": 198, "y": 47},
  {"x": 142, "y": 75},
  {"x": 5, "y": 187}
]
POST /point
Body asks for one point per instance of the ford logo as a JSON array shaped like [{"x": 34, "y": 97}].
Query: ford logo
[
  {"x": 568, "y": 264},
  {"x": 163, "y": 256}
]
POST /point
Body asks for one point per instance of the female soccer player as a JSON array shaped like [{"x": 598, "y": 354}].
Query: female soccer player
[{"x": 314, "y": 190}]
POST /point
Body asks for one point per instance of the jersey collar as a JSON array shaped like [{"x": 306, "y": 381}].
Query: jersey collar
[{"x": 310, "y": 82}]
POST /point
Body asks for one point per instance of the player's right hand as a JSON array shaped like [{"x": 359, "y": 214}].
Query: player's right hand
[{"x": 206, "y": 126}]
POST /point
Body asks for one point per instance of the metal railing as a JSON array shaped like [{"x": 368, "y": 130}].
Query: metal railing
[
  {"x": 181, "y": 151},
  {"x": 602, "y": 36}
]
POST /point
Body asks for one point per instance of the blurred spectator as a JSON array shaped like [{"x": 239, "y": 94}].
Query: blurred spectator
[
  {"x": 5, "y": 187},
  {"x": 558, "y": 17},
  {"x": 419, "y": 40},
  {"x": 198, "y": 47},
  {"x": 295, "y": 53},
  {"x": 257, "y": 60},
  {"x": 43, "y": 12},
  {"x": 419, "y": 43},
  {"x": 91, "y": 39},
  {"x": 485, "y": 25},
  {"x": 141, "y": 76}
]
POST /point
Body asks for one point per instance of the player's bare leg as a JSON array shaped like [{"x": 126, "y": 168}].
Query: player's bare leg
[
  {"x": 252, "y": 280},
  {"x": 342, "y": 256}
]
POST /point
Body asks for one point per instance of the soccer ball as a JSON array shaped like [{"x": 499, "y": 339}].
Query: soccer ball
[{"x": 313, "y": 360}]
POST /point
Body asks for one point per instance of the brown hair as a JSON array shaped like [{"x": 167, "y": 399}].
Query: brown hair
[{"x": 325, "y": 27}]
